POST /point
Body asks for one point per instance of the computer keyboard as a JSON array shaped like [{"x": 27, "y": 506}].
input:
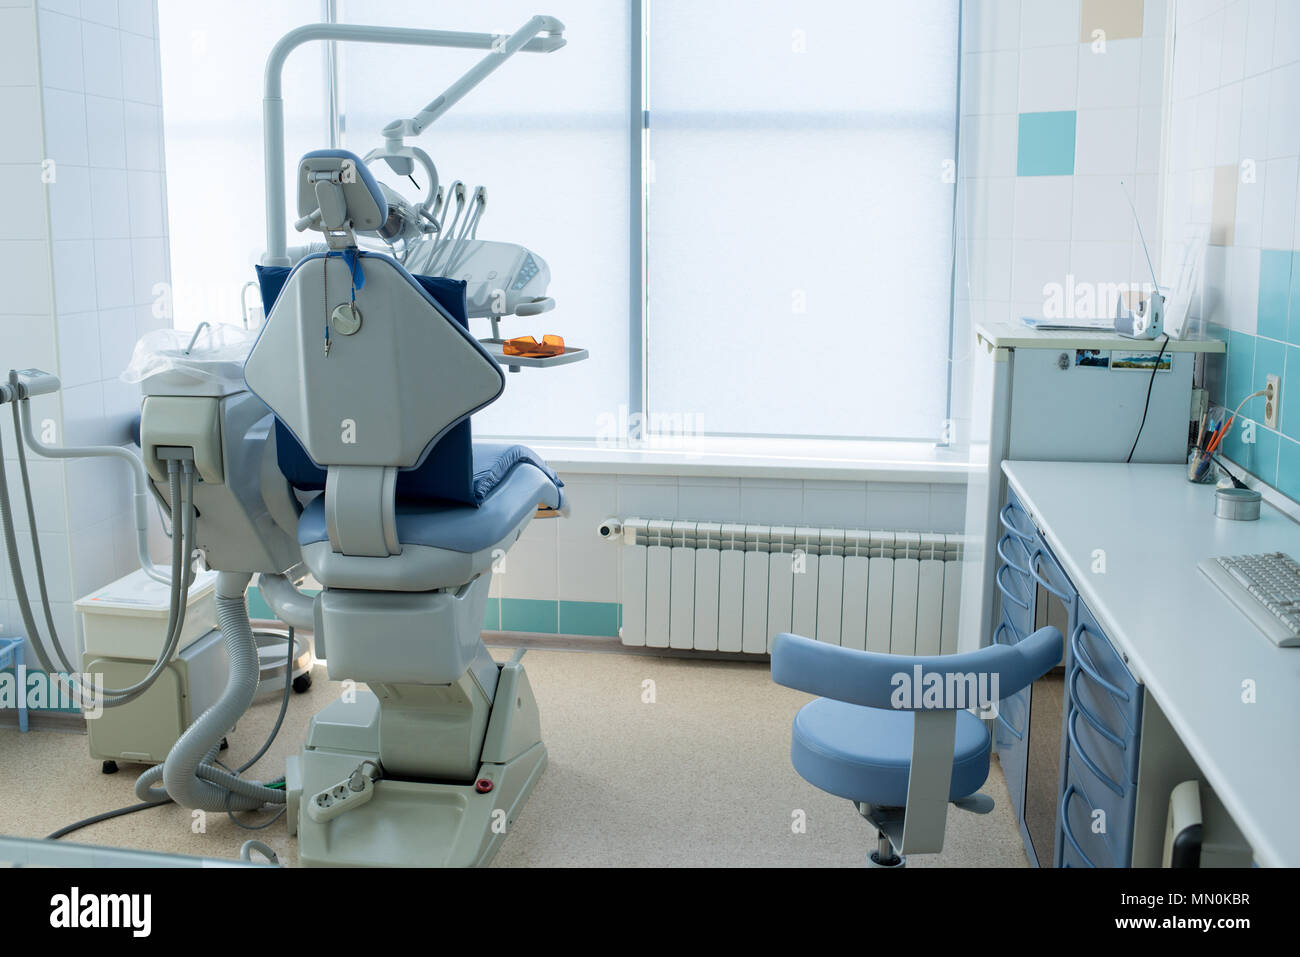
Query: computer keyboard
[{"x": 1265, "y": 588}]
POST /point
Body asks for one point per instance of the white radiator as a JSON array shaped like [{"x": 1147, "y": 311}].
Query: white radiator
[{"x": 717, "y": 587}]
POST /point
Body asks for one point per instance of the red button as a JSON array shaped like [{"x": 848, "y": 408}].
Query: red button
[{"x": 483, "y": 785}]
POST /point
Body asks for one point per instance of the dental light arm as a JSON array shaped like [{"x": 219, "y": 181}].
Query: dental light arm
[{"x": 526, "y": 39}]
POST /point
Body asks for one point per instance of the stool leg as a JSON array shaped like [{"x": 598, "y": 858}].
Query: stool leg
[{"x": 20, "y": 672}]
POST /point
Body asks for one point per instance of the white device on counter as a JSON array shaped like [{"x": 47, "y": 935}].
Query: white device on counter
[{"x": 1265, "y": 588}]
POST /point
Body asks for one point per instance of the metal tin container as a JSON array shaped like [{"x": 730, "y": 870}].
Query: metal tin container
[{"x": 1237, "y": 504}]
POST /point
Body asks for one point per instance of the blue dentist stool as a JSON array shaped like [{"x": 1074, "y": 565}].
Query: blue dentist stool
[{"x": 900, "y": 754}]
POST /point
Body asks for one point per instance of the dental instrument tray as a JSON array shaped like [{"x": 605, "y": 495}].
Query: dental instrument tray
[{"x": 497, "y": 349}]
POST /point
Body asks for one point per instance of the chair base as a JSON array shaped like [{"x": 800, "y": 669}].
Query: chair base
[
  {"x": 898, "y": 863},
  {"x": 410, "y": 823}
]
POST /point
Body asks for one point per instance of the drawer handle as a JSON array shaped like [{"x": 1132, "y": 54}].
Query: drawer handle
[
  {"x": 1065, "y": 825},
  {"x": 1081, "y": 657},
  {"x": 1007, "y": 626},
  {"x": 1002, "y": 587},
  {"x": 1083, "y": 756},
  {"x": 1092, "y": 719},
  {"x": 1010, "y": 526},
  {"x": 1033, "y": 570},
  {"x": 1007, "y": 559}
]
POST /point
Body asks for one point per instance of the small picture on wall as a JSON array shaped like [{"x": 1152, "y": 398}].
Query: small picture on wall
[
  {"x": 1091, "y": 358},
  {"x": 1140, "y": 361}
]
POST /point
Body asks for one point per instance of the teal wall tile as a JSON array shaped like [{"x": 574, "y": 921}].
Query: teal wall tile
[
  {"x": 529, "y": 614},
  {"x": 257, "y": 606},
  {"x": 1293, "y": 312},
  {"x": 1288, "y": 469},
  {"x": 1045, "y": 144},
  {"x": 50, "y": 693},
  {"x": 1289, "y": 420},
  {"x": 1241, "y": 368},
  {"x": 492, "y": 615},
  {"x": 1274, "y": 292},
  {"x": 594, "y": 618},
  {"x": 1270, "y": 358}
]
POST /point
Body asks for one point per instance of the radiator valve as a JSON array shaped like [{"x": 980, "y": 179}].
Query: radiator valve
[{"x": 610, "y": 528}]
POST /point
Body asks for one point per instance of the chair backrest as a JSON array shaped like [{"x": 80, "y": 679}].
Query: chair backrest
[
  {"x": 901, "y": 682},
  {"x": 360, "y": 363}
]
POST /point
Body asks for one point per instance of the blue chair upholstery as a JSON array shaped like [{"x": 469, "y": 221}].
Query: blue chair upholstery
[
  {"x": 865, "y": 754},
  {"x": 857, "y": 740}
]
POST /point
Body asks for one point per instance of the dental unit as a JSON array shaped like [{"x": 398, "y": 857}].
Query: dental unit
[{"x": 341, "y": 448}]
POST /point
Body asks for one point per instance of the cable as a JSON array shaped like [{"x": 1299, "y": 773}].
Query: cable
[
  {"x": 284, "y": 706},
  {"x": 106, "y": 816},
  {"x": 1145, "y": 408}
]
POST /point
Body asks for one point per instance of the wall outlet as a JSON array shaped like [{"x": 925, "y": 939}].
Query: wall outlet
[{"x": 1272, "y": 400}]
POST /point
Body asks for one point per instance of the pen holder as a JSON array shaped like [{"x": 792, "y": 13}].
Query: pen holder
[{"x": 1201, "y": 468}]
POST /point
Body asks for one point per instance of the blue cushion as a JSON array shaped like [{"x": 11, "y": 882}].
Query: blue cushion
[
  {"x": 367, "y": 177},
  {"x": 493, "y": 461},
  {"x": 446, "y": 473},
  {"x": 865, "y": 754},
  {"x": 459, "y": 528}
]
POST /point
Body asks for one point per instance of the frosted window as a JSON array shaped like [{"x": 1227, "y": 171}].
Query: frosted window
[
  {"x": 213, "y": 59},
  {"x": 547, "y": 134},
  {"x": 800, "y": 215}
]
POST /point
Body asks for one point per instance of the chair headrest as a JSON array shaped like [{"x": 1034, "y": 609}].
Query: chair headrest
[{"x": 337, "y": 183}]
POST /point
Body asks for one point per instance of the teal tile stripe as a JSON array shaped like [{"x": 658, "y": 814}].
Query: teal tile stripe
[
  {"x": 595, "y": 619},
  {"x": 592, "y": 618},
  {"x": 9, "y": 687},
  {"x": 1045, "y": 144},
  {"x": 529, "y": 614}
]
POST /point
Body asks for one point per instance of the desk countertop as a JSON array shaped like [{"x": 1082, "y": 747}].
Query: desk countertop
[
  {"x": 1183, "y": 638},
  {"x": 1012, "y": 335}
]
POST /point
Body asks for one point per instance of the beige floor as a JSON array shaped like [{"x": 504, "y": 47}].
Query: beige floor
[{"x": 701, "y": 777}]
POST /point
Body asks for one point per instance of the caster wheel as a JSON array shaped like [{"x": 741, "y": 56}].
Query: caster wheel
[
  {"x": 108, "y": 767},
  {"x": 225, "y": 745},
  {"x": 302, "y": 683}
]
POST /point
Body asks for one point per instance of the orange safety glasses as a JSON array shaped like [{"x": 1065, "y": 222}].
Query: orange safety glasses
[{"x": 530, "y": 348}]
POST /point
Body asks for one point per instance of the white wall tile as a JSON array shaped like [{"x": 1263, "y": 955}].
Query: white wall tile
[
  {"x": 136, "y": 16},
  {"x": 1036, "y": 263},
  {"x": 1112, "y": 78},
  {"x": 1148, "y": 144},
  {"x": 149, "y": 267},
  {"x": 94, "y": 557},
  {"x": 1259, "y": 35},
  {"x": 898, "y": 507},
  {"x": 1151, "y": 84},
  {"x": 109, "y": 206},
  {"x": 1286, "y": 34},
  {"x": 1154, "y": 13},
  {"x": 114, "y": 280},
  {"x": 1101, "y": 209},
  {"x": 1049, "y": 78},
  {"x": 1228, "y": 126},
  {"x": 708, "y": 500},
  {"x": 948, "y": 508},
  {"x": 990, "y": 82},
  {"x": 647, "y": 496},
  {"x": 1284, "y": 111},
  {"x": 69, "y": 198},
  {"x": 1253, "y": 141},
  {"x": 1232, "y": 66},
  {"x": 116, "y": 340},
  {"x": 990, "y": 208},
  {"x": 60, "y": 46},
  {"x": 144, "y": 150},
  {"x": 29, "y": 340},
  {"x": 74, "y": 275},
  {"x": 100, "y": 11},
  {"x": 147, "y": 216},
  {"x": 79, "y": 360},
  {"x": 1249, "y": 222},
  {"x": 22, "y": 198},
  {"x": 835, "y": 504},
  {"x": 1242, "y": 294},
  {"x": 1106, "y": 142},
  {"x": 1277, "y": 228},
  {"x": 1043, "y": 207},
  {"x": 1210, "y": 54},
  {"x": 771, "y": 501},
  {"x": 991, "y": 24},
  {"x": 1049, "y": 24},
  {"x": 25, "y": 277},
  {"x": 20, "y": 118},
  {"x": 65, "y": 129},
  {"x": 990, "y": 268},
  {"x": 105, "y": 132},
  {"x": 17, "y": 47},
  {"x": 530, "y": 566},
  {"x": 101, "y": 50},
  {"x": 83, "y": 415},
  {"x": 139, "y": 69},
  {"x": 990, "y": 145}
]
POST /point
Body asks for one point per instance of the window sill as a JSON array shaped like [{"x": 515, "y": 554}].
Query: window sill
[{"x": 831, "y": 460}]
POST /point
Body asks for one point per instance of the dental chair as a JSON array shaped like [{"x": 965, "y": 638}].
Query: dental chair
[
  {"x": 882, "y": 738},
  {"x": 372, "y": 381}
]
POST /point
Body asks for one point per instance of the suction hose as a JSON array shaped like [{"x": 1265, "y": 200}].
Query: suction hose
[{"x": 188, "y": 777}]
